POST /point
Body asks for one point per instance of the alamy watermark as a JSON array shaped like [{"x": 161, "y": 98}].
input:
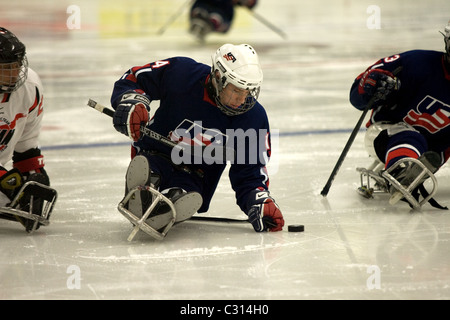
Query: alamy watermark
[
  {"x": 374, "y": 280},
  {"x": 74, "y": 279},
  {"x": 374, "y": 20},
  {"x": 197, "y": 145},
  {"x": 74, "y": 19}
]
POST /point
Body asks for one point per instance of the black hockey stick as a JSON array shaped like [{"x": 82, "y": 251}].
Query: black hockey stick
[
  {"x": 219, "y": 219},
  {"x": 227, "y": 153},
  {"x": 369, "y": 106},
  {"x": 226, "y": 220},
  {"x": 327, "y": 186}
]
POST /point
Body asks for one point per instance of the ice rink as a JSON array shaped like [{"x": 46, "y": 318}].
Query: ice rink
[{"x": 352, "y": 248}]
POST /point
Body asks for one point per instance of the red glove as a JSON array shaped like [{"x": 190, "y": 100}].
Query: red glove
[
  {"x": 377, "y": 83},
  {"x": 264, "y": 214},
  {"x": 131, "y": 113}
]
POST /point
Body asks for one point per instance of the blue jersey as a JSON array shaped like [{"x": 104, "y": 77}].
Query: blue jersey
[
  {"x": 423, "y": 99},
  {"x": 179, "y": 83}
]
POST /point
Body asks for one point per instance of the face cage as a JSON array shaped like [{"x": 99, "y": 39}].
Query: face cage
[
  {"x": 9, "y": 82},
  {"x": 249, "y": 103}
]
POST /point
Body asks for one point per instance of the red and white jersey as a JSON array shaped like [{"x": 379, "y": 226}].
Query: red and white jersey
[{"x": 20, "y": 118}]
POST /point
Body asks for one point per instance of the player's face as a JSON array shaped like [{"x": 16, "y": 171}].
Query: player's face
[
  {"x": 233, "y": 96},
  {"x": 9, "y": 73}
]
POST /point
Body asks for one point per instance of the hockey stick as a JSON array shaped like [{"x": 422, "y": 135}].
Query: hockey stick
[
  {"x": 327, "y": 186},
  {"x": 268, "y": 24},
  {"x": 174, "y": 17},
  {"x": 227, "y": 153},
  {"x": 227, "y": 220},
  {"x": 219, "y": 219},
  {"x": 369, "y": 106}
]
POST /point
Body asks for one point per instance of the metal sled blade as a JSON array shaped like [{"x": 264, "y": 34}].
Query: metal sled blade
[
  {"x": 35, "y": 190},
  {"x": 406, "y": 191},
  {"x": 139, "y": 222},
  {"x": 371, "y": 181}
]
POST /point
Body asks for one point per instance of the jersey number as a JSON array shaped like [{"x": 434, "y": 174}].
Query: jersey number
[{"x": 159, "y": 64}]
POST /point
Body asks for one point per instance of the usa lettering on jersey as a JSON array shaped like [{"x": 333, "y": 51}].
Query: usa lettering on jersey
[
  {"x": 194, "y": 134},
  {"x": 430, "y": 114}
]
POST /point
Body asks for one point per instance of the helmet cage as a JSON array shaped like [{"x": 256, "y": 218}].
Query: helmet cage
[
  {"x": 249, "y": 102},
  {"x": 13, "y": 75},
  {"x": 13, "y": 62}
]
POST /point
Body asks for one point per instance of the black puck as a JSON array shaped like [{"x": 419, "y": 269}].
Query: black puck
[{"x": 296, "y": 228}]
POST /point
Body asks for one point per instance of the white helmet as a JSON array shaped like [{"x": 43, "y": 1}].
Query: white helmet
[{"x": 238, "y": 65}]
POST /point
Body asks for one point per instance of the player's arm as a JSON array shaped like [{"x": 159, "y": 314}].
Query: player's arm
[
  {"x": 378, "y": 82},
  {"x": 254, "y": 199},
  {"x": 132, "y": 95},
  {"x": 29, "y": 162},
  {"x": 251, "y": 185},
  {"x": 27, "y": 156}
]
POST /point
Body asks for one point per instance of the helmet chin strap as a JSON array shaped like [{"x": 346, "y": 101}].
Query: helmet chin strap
[
  {"x": 447, "y": 61},
  {"x": 447, "y": 57},
  {"x": 447, "y": 47},
  {"x": 213, "y": 90},
  {"x": 210, "y": 88}
]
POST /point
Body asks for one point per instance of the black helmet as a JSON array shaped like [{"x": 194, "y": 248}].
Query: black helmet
[{"x": 12, "y": 50}]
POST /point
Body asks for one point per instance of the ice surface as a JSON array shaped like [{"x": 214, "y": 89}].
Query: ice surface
[{"x": 352, "y": 248}]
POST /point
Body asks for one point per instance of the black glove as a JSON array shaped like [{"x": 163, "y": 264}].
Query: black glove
[
  {"x": 131, "y": 113},
  {"x": 263, "y": 213},
  {"x": 379, "y": 84}
]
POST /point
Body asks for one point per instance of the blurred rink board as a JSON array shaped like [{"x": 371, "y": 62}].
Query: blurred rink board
[
  {"x": 144, "y": 18},
  {"x": 28, "y": 18},
  {"x": 102, "y": 18}
]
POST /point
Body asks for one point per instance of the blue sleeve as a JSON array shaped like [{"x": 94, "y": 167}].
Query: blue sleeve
[
  {"x": 252, "y": 174},
  {"x": 150, "y": 79}
]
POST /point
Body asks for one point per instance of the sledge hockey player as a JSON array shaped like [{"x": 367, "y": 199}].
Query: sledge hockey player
[
  {"x": 206, "y": 16},
  {"x": 25, "y": 195},
  {"x": 198, "y": 105},
  {"x": 408, "y": 132}
]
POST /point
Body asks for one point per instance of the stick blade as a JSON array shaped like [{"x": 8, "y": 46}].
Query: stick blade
[{"x": 91, "y": 103}]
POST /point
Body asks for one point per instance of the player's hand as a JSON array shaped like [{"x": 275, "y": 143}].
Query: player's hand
[
  {"x": 263, "y": 213},
  {"x": 379, "y": 84},
  {"x": 131, "y": 113}
]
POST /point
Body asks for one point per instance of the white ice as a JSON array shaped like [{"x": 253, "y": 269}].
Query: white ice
[{"x": 352, "y": 248}]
